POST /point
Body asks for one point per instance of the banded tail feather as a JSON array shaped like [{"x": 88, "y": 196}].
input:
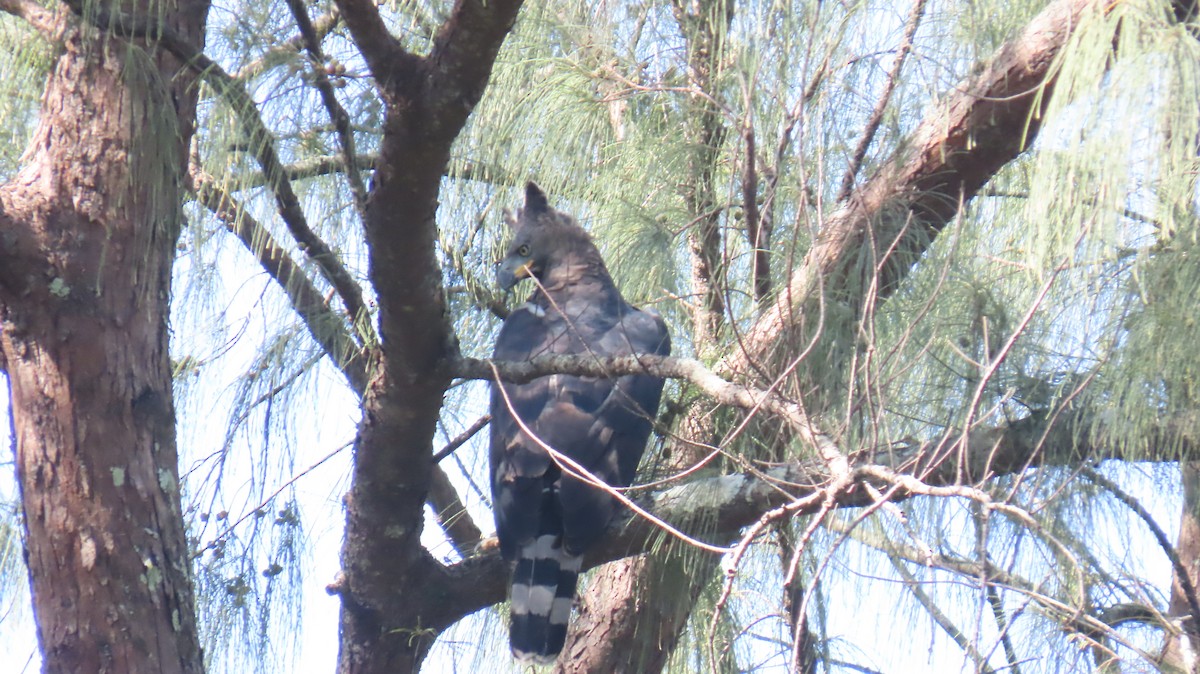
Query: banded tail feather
[
  {"x": 543, "y": 590},
  {"x": 546, "y": 520}
]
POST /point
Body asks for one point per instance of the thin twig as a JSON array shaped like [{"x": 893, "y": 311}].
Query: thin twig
[
  {"x": 337, "y": 113},
  {"x": 462, "y": 438},
  {"x": 1068, "y": 615},
  {"x": 914, "y": 587},
  {"x": 570, "y": 467},
  {"x": 828, "y": 499},
  {"x": 997, "y": 359},
  {"x": 1185, "y": 581},
  {"x": 876, "y": 118},
  {"x": 322, "y": 26},
  {"x": 327, "y": 328},
  {"x": 310, "y": 168},
  {"x": 265, "y": 502},
  {"x": 1002, "y": 622},
  {"x": 262, "y": 146}
]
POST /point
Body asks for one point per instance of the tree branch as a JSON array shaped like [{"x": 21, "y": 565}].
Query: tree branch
[
  {"x": 1093, "y": 626},
  {"x": 693, "y": 371},
  {"x": 758, "y": 224},
  {"x": 281, "y": 51},
  {"x": 988, "y": 120},
  {"x": 462, "y": 56},
  {"x": 262, "y": 146},
  {"x": 941, "y": 619},
  {"x": 328, "y": 330},
  {"x": 37, "y": 16},
  {"x": 326, "y": 327},
  {"x": 427, "y": 100},
  {"x": 451, "y": 514},
  {"x": 704, "y": 25},
  {"x": 382, "y": 52},
  {"x": 323, "y": 165},
  {"x": 717, "y": 508},
  {"x": 1181, "y": 572},
  {"x": 337, "y": 113},
  {"x": 313, "y": 167},
  {"x": 462, "y": 438},
  {"x": 876, "y": 118}
]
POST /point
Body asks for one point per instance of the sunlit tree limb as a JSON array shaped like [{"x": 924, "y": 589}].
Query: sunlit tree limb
[{"x": 983, "y": 125}]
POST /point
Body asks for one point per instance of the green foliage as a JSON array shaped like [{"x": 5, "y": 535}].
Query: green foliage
[
  {"x": 1100, "y": 214},
  {"x": 1074, "y": 265},
  {"x": 25, "y": 60},
  {"x": 1066, "y": 288}
]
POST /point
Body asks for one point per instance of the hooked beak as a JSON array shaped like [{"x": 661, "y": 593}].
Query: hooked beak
[{"x": 512, "y": 270}]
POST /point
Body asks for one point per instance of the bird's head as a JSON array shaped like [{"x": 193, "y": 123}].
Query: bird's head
[{"x": 541, "y": 239}]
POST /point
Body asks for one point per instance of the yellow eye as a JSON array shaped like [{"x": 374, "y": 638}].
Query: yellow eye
[{"x": 523, "y": 251}]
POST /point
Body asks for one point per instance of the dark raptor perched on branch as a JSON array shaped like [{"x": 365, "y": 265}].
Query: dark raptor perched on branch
[{"x": 547, "y": 515}]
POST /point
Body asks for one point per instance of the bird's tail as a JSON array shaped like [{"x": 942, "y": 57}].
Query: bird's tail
[{"x": 543, "y": 589}]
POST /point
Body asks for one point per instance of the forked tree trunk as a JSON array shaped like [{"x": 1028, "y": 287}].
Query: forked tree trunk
[
  {"x": 394, "y": 594},
  {"x": 87, "y": 237}
]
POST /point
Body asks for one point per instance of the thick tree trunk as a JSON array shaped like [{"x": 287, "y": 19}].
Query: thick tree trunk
[
  {"x": 87, "y": 239},
  {"x": 394, "y": 594}
]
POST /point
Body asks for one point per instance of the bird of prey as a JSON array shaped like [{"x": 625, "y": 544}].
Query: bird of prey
[{"x": 546, "y": 516}]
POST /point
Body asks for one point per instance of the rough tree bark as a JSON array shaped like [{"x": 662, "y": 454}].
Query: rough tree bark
[
  {"x": 87, "y": 233},
  {"x": 87, "y": 237},
  {"x": 392, "y": 590}
]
